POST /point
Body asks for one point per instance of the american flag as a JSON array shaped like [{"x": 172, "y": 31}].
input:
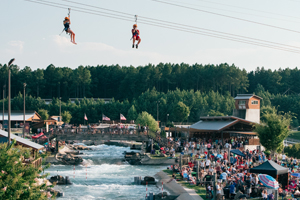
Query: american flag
[
  {"x": 85, "y": 118},
  {"x": 122, "y": 117},
  {"x": 104, "y": 118}
]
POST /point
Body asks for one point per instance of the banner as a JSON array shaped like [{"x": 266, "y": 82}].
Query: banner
[
  {"x": 27, "y": 128},
  {"x": 5, "y": 123}
]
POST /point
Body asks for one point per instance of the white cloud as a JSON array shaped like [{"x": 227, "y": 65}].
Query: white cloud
[{"x": 15, "y": 47}]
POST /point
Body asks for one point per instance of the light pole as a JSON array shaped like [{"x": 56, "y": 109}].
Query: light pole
[
  {"x": 4, "y": 86},
  {"x": 24, "y": 84},
  {"x": 157, "y": 102},
  {"x": 9, "y": 106},
  {"x": 188, "y": 118},
  {"x": 167, "y": 118},
  {"x": 59, "y": 110}
]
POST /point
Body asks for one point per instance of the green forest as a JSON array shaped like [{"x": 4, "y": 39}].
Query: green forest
[{"x": 202, "y": 89}]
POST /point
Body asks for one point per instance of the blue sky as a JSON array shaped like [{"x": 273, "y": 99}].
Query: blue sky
[{"x": 30, "y": 33}]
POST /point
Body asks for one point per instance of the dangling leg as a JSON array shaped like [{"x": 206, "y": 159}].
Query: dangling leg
[
  {"x": 133, "y": 39},
  {"x": 72, "y": 36},
  {"x": 139, "y": 41}
]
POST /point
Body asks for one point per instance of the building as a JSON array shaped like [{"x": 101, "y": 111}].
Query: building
[
  {"x": 247, "y": 106},
  {"x": 245, "y": 115},
  {"x": 17, "y": 118},
  {"x": 73, "y": 100},
  {"x": 34, "y": 147}
]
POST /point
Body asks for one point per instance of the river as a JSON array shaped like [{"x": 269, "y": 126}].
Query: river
[{"x": 104, "y": 176}]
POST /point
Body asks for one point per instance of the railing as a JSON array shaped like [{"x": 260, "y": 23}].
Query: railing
[
  {"x": 98, "y": 131},
  {"x": 36, "y": 163},
  {"x": 292, "y": 140}
]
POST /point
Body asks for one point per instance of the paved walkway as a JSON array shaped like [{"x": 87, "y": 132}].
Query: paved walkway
[{"x": 175, "y": 188}]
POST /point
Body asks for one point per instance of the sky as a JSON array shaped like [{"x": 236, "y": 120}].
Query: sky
[{"x": 30, "y": 33}]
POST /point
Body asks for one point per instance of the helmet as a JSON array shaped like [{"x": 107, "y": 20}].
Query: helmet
[
  {"x": 134, "y": 25},
  {"x": 66, "y": 18}
]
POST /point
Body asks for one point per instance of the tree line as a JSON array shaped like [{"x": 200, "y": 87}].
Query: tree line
[
  {"x": 203, "y": 89},
  {"x": 124, "y": 82},
  {"x": 176, "y": 106}
]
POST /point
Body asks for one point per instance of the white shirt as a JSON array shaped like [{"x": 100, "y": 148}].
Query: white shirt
[
  {"x": 226, "y": 145},
  {"x": 202, "y": 164},
  {"x": 207, "y": 162},
  {"x": 283, "y": 157},
  {"x": 224, "y": 175},
  {"x": 218, "y": 189}
]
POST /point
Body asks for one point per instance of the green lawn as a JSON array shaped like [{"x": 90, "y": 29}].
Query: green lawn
[
  {"x": 294, "y": 135},
  {"x": 199, "y": 190}
]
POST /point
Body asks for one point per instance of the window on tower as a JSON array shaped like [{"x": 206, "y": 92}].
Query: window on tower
[{"x": 242, "y": 102}]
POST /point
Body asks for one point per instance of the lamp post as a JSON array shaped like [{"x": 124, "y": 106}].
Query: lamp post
[
  {"x": 24, "y": 84},
  {"x": 9, "y": 106},
  {"x": 59, "y": 110},
  {"x": 157, "y": 102},
  {"x": 188, "y": 119},
  {"x": 4, "y": 86},
  {"x": 167, "y": 118}
]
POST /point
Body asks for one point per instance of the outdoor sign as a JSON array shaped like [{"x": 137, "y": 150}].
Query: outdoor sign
[
  {"x": 27, "y": 128},
  {"x": 5, "y": 123}
]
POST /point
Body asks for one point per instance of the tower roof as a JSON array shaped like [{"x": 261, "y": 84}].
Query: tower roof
[{"x": 246, "y": 96}]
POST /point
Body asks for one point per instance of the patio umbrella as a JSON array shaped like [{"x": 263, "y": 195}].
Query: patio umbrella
[
  {"x": 296, "y": 175},
  {"x": 268, "y": 181},
  {"x": 219, "y": 156}
]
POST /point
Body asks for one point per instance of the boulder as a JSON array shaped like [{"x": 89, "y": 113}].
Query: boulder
[{"x": 149, "y": 178}]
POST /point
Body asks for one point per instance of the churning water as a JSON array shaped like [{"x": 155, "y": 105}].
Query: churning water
[{"x": 103, "y": 175}]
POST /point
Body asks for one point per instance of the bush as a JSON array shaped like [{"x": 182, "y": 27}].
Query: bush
[
  {"x": 163, "y": 134},
  {"x": 293, "y": 150}
]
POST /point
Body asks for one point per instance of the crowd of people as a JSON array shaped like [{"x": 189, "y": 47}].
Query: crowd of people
[{"x": 231, "y": 171}]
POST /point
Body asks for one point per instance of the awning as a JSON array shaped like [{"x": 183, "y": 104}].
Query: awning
[{"x": 237, "y": 152}]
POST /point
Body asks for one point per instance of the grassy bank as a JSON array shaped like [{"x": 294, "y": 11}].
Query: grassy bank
[
  {"x": 199, "y": 190},
  {"x": 294, "y": 135}
]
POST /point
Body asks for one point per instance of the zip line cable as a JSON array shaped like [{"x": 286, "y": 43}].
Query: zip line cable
[
  {"x": 227, "y": 16},
  {"x": 184, "y": 30},
  {"x": 233, "y": 11},
  {"x": 235, "y": 35},
  {"x": 174, "y": 28},
  {"x": 240, "y": 7}
]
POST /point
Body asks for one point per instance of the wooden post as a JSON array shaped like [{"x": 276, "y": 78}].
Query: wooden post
[
  {"x": 215, "y": 186},
  {"x": 197, "y": 176},
  {"x": 57, "y": 145},
  {"x": 276, "y": 195},
  {"x": 180, "y": 162}
]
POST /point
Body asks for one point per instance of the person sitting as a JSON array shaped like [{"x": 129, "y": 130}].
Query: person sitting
[
  {"x": 264, "y": 195},
  {"x": 297, "y": 192},
  {"x": 281, "y": 192},
  {"x": 135, "y": 36}
]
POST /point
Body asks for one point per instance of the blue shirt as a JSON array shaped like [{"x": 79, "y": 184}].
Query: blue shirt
[{"x": 232, "y": 188}]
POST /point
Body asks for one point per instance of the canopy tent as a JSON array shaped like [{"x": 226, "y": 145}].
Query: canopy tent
[
  {"x": 237, "y": 152},
  {"x": 271, "y": 168}
]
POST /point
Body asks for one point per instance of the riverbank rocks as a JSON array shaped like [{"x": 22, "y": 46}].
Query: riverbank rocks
[
  {"x": 57, "y": 192},
  {"x": 80, "y": 147},
  {"x": 148, "y": 180},
  {"x": 60, "y": 180},
  {"x": 69, "y": 159}
]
